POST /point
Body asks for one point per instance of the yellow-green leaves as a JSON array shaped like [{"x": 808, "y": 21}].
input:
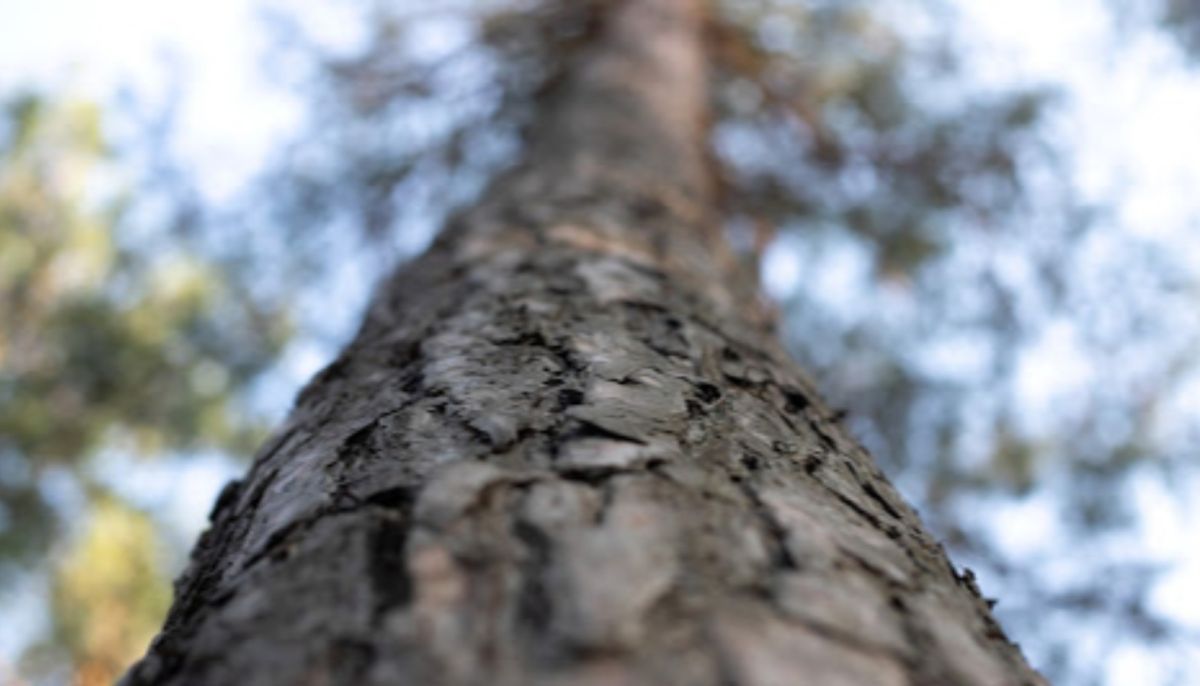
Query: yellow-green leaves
[
  {"x": 109, "y": 592},
  {"x": 113, "y": 341}
]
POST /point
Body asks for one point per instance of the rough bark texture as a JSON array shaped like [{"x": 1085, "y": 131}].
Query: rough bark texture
[{"x": 566, "y": 448}]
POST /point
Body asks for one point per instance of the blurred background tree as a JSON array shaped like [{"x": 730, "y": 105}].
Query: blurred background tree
[
  {"x": 112, "y": 340},
  {"x": 108, "y": 594},
  {"x": 1017, "y": 352}
]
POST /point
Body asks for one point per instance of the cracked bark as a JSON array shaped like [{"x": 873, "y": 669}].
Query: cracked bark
[{"x": 565, "y": 447}]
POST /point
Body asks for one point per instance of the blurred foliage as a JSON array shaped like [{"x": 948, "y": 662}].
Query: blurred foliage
[
  {"x": 109, "y": 594},
  {"x": 1182, "y": 17},
  {"x": 102, "y": 343},
  {"x": 411, "y": 123},
  {"x": 109, "y": 341},
  {"x": 825, "y": 116},
  {"x": 1178, "y": 19}
]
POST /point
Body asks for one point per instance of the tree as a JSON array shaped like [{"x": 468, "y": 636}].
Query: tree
[
  {"x": 111, "y": 344},
  {"x": 565, "y": 447}
]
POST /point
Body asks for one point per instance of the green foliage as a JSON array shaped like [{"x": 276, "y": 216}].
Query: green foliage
[
  {"x": 109, "y": 594},
  {"x": 99, "y": 339},
  {"x": 827, "y": 118},
  {"x": 1183, "y": 18},
  {"x": 107, "y": 342}
]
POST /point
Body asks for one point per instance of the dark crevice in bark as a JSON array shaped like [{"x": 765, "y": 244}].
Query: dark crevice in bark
[
  {"x": 586, "y": 429},
  {"x": 874, "y": 494},
  {"x": 389, "y": 570},
  {"x": 781, "y": 555},
  {"x": 569, "y": 397},
  {"x": 399, "y": 499},
  {"x": 707, "y": 392},
  {"x": 854, "y": 507},
  {"x": 797, "y": 401},
  {"x": 351, "y": 659},
  {"x": 535, "y": 606}
]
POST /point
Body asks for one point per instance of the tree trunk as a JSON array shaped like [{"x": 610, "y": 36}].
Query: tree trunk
[{"x": 566, "y": 448}]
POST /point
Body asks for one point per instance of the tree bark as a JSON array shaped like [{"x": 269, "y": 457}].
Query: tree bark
[{"x": 566, "y": 448}]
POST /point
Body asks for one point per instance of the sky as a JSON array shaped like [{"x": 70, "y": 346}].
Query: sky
[
  {"x": 1131, "y": 121},
  {"x": 231, "y": 114}
]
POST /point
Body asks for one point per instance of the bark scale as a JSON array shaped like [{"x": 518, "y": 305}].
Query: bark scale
[{"x": 566, "y": 448}]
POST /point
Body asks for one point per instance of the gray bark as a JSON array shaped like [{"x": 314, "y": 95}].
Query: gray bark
[{"x": 566, "y": 448}]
